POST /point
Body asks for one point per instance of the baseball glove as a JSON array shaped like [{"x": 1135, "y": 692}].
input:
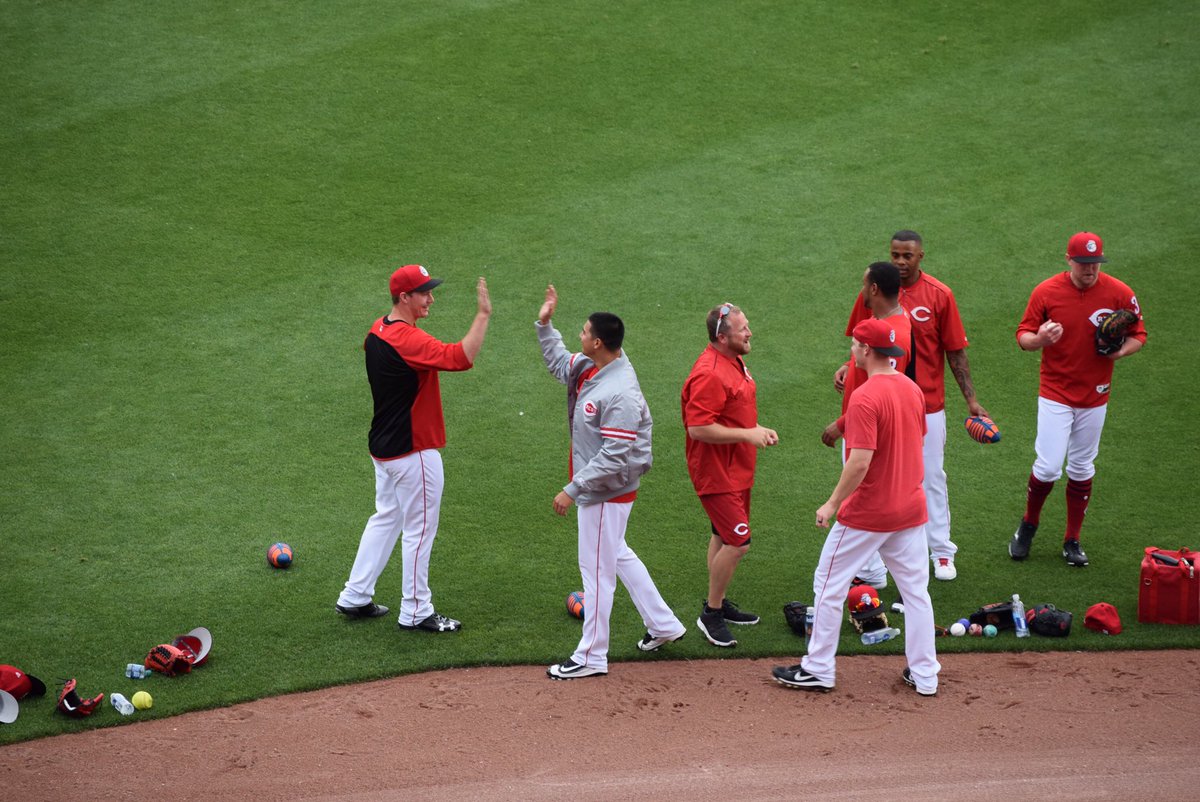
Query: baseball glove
[
  {"x": 169, "y": 660},
  {"x": 794, "y": 613},
  {"x": 1046, "y": 619},
  {"x": 1110, "y": 334},
  {"x": 999, "y": 615},
  {"x": 70, "y": 703}
]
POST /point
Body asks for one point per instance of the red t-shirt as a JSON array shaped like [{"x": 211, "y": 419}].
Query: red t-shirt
[
  {"x": 887, "y": 416},
  {"x": 720, "y": 390},
  {"x": 936, "y": 327},
  {"x": 402, "y": 367},
  {"x": 1072, "y": 372}
]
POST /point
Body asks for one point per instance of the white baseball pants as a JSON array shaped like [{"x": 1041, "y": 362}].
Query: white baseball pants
[
  {"x": 937, "y": 501},
  {"x": 904, "y": 553},
  {"x": 604, "y": 557},
  {"x": 937, "y": 498},
  {"x": 408, "y": 501},
  {"x": 1067, "y": 434}
]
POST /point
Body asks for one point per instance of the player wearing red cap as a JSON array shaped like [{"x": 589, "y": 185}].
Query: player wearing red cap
[
  {"x": 1060, "y": 320},
  {"x": 880, "y": 299},
  {"x": 406, "y": 432},
  {"x": 720, "y": 416},
  {"x": 879, "y": 504},
  {"x": 938, "y": 338}
]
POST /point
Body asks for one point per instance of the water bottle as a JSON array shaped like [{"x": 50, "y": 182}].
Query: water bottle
[
  {"x": 123, "y": 705},
  {"x": 1019, "y": 617},
  {"x": 137, "y": 671},
  {"x": 809, "y": 612},
  {"x": 879, "y": 636}
]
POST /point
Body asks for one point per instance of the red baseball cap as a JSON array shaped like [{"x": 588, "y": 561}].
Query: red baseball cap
[
  {"x": 412, "y": 278},
  {"x": 1102, "y": 617},
  {"x": 862, "y": 601},
  {"x": 879, "y": 335},
  {"x": 1086, "y": 248},
  {"x": 19, "y": 684},
  {"x": 198, "y": 642}
]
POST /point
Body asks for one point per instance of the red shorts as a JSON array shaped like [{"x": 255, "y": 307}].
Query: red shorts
[{"x": 730, "y": 516}]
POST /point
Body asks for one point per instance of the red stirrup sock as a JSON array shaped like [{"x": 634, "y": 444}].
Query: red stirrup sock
[
  {"x": 1078, "y": 494},
  {"x": 1035, "y": 497}
]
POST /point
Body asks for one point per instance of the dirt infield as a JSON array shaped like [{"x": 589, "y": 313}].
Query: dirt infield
[{"x": 1063, "y": 725}]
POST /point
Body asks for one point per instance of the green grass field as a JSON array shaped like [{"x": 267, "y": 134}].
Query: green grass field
[{"x": 201, "y": 206}]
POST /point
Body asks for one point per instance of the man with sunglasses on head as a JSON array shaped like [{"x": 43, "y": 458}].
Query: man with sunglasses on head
[{"x": 720, "y": 416}]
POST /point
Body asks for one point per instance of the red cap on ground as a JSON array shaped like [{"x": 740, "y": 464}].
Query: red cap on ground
[{"x": 1102, "y": 617}]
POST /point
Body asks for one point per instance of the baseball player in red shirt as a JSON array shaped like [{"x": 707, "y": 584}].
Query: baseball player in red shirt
[
  {"x": 406, "y": 432},
  {"x": 938, "y": 338},
  {"x": 1060, "y": 320},
  {"x": 880, "y": 299},
  {"x": 720, "y": 415},
  {"x": 880, "y": 506},
  {"x": 610, "y": 450}
]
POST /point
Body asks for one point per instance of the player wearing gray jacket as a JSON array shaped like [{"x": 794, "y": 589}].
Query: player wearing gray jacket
[{"x": 610, "y": 427}]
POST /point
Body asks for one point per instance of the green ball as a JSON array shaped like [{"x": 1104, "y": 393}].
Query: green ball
[{"x": 990, "y": 631}]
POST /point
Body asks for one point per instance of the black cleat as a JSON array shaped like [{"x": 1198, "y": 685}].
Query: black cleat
[
  {"x": 1022, "y": 539},
  {"x": 1074, "y": 554},
  {"x": 368, "y": 610}
]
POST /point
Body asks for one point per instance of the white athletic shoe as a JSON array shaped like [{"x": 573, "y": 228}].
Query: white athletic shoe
[
  {"x": 569, "y": 669},
  {"x": 796, "y": 677},
  {"x": 943, "y": 569},
  {"x": 649, "y": 643}
]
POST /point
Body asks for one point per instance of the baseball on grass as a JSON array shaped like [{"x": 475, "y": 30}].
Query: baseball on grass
[
  {"x": 957, "y": 629},
  {"x": 990, "y": 631},
  {"x": 142, "y": 700},
  {"x": 964, "y": 622},
  {"x": 975, "y": 629}
]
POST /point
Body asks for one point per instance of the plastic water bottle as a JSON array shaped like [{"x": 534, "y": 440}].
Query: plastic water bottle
[
  {"x": 879, "y": 635},
  {"x": 809, "y": 613},
  {"x": 123, "y": 705},
  {"x": 1019, "y": 617},
  {"x": 137, "y": 671}
]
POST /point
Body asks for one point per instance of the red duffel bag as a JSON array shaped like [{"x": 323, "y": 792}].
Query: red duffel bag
[{"x": 1170, "y": 587}]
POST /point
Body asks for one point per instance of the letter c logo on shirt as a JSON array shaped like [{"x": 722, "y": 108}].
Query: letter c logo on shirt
[
  {"x": 589, "y": 409},
  {"x": 921, "y": 314}
]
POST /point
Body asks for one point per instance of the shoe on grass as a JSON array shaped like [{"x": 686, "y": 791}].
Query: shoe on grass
[
  {"x": 1022, "y": 539},
  {"x": 368, "y": 610},
  {"x": 735, "y": 616},
  {"x": 943, "y": 569},
  {"x": 649, "y": 643},
  {"x": 712, "y": 624},
  {"x": 1074, "y": 554},
  {"x": 434, "y": 623}
]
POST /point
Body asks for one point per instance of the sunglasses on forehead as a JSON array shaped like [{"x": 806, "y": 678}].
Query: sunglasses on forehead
[{"x": 722, "y": 313}]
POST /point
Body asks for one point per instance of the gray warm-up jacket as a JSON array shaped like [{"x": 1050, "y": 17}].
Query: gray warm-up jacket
[{"x": 609, "y": 420}]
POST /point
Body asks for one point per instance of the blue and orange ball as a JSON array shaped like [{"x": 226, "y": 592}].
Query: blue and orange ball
[
  {"x": 279, "y": 555},
  {"x": 982, "y": 429},
  {"x": 575, "y": 603}
]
